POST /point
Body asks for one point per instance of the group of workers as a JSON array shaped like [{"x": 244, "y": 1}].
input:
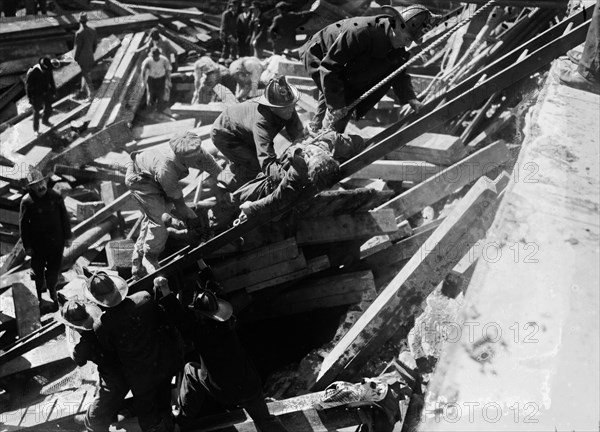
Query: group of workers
[{"x": 134, "y": 338}]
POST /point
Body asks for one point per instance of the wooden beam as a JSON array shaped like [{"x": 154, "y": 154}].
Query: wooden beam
[
  {"x": 449, "y": 180},
  {"x": 332, "y": 229},
  {"x": 434, "y": 148},
  {"x": 27, "y": 312},
  {"x": 159, "y": 129},
  {"x": 103, "y": 214},
  {"x": 397, "y": 303},
  {"x": 49, "y": 353},
  {"x": 206, "y": 113},
  {"x": 390, "y": 170},
  {"x": 180, "y": 13},
  {"x": 313, "y": 265}
]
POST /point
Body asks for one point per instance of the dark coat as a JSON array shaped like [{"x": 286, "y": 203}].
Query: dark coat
[
  {"x": 39, "y": 84},
  {"x": 349, "y": 57},
  {"x": 86, "y": 41},
  {"x": 228, "y": 24},
  {"x": 44, "y": 220},
  {"x": 283, "y": 29}
]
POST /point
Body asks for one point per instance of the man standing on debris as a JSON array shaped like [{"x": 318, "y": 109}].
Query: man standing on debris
[
  {"x": 153, "y": 178},
  {"x": 137, "y": 330},
  {"x": 349, "y": 57},
  {"x": 244, "y": 132},
  {"x": 45, "y": 231},
  {"x": 86, "y": 41},
  {"x": 244, "y": 30},
  {"x": 283, "y": 28},
  {"x": 166, "y": 47},
  {"x": 156, "y": 73},
  {"x": 41, "y": 91},
  {"x": 228, "y": 32},
  {"x": 225, "y": 374}
]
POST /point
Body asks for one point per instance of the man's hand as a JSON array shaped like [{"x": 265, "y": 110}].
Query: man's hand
[
  {"x": 416, "y": 105},
  {"x": 29, "y": 252},
  {"x": 162, "y": 285},
  {"x": 245, "y": 208},
  {"x": 68, "y": 243},
  {"x": 334, "y": 115}
]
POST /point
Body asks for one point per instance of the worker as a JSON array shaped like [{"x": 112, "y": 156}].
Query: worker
[
  {"x": 45, "y": 231},
  {"x": 225, "y": 374},
  {"x": 349, "y": 57},
  {"x": 166, "y": 47},
  {"x": 86, "y": 42},
  {"x": 207, "y": 75},
  {"x": 283, "y": 29},
  {"x": 32, "y": 7},
  {"x": 156, "y": 74},
  {"x": 41, "y": 90},
  {"x": 244, "y": 132},
  {"x": 246, "y": 71},
  {"x": 80, "y": 317},
  {"x": 153, "y": 178},
  {"x": 140, "y": 333},
  {"x": 310, "y": 165},
  {"x": 228, "y": 31},
  {"x": 587, "y": 75},
  {"x": 244, "y": 30},
  {"x": 259, "y": 24}
]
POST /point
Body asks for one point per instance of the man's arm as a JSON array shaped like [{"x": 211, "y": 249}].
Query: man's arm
[
  {"x": 77, "y": 46},
  {"x": 263, "y": 134},
  {"x": 64, "y": 217},
  {"x": 25, "y": 223}
]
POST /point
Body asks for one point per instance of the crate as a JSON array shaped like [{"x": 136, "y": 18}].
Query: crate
[{"x": 119, "y": 252}]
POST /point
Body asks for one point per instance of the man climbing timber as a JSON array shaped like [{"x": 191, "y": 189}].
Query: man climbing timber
[{"x": 349, "y": 57}]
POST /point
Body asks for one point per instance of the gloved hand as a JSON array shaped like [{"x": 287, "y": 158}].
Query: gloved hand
[{"x": 334, "y": 115}]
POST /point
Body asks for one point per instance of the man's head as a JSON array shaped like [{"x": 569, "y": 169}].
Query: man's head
[
  {"x": 411, "y": 23},
  {"x": 207, "y": 305},
  {"x": 155, "y": 34},
  {"x": 187, "y": 146},
  {"x": 280, "y": 97},
  {"x": 233, "y": 4},
  {"x": 46, "y": 63},
  {"x": 155, "y": 53},
  {"x": 36, "y": 182},
  {"x": 83, "y": 18},
  {"x": 322, "y": 167}
]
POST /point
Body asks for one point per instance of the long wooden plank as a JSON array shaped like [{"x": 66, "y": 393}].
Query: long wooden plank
[
  {"x": 27, "y": 312},
  {"x": 180, "y": 13},
  {"x": 510, "y": 72},
  {"x": 105, "y": 213},
  {"x": 51, "y": 352},
  {"x": 156, "y": 129},
  {"x": 392, "y": 170},
  {"x": 449, "y": 180},
  {"x": 313, "y": 265},
  {"x": 467, "y": 223},
  {"x": 434, "y": 148}
]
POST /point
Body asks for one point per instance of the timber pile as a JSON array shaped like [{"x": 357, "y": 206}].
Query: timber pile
[{"x": 371, "y": 249}]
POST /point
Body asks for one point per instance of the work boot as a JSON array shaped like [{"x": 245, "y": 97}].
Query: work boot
[
  {"x": 574, "y": 79},
  {"x": 46, "y": 122}
]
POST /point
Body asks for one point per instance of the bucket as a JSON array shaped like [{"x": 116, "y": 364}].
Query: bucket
[{"x": 119, "y": 252}]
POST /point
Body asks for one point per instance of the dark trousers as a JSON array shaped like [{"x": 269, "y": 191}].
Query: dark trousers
[
  {"x": 152, "y": 404},
  {"x": 156, "y": 90},
  {"x": 229, "y": 48},
  {"x": 244, "y": 164},
  {"x": 46, "y": 261},
  {"x": 317, "y": 120},
  {"x": 195, "y": 394},
  {"x": 32, "y": 6},
  {"x": 43, "y": 102},
  {"x": 108, "y": 401},
  {"x": 589, "y": 65}
]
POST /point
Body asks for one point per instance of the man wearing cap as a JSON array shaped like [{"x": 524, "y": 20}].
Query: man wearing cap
[
  {"x": 244, "y": 132},
  {"x": 140, "y": 333},
  {"x": 209, "y": 77},
  {"x": 225, "y": 372},
  {"x": 41, "y": 91},
  {"x": 156, "y": 73},
  {"x": 86, "y": 41},
  {"x": 244, "y": 30},
  {"x": 45, "y": 231},
  {"x": 228, "y": 30},
  {"x": 166, "y": 47},
  {"x": 349, "y": 57},
  {"x": 283, "y": 28},
  {"x": 153, "y": 178},
  {"x": 80, "y": 317}
]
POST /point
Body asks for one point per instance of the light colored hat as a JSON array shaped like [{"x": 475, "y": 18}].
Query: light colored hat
[
  {"x": 34, "y": 176},
  {"x": 105, "y": 290},
  {"x": 79, "y": 314},
  {"x": 279, "y": 94},
  {"x": 416, "y": 19},
  {"x": 186, "y": 144},
  {"x": 207, "y": 304}
]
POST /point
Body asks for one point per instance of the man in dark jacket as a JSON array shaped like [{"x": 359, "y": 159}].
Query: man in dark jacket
[
  {"x": 45, "y": 231},
  {"x": 41, "y": 90},
  {"x": 244, "y": 30},
  {"x": 244, "y": 132},
  {"x": 225, "y": 374},
  {"x": 283, "y": 28},
  {"x": 349, "y": 57},
  {"x": 228, "y": 31},
  {"x": 141, "y": 335},
  {"x": 86, "y": 41}
]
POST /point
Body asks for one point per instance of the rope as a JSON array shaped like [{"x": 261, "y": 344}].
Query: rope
[{"x": 418, "y": 56}]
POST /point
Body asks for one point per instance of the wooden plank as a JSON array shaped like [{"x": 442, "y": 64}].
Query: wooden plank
[
  {"x": 7, "y": 280},
  {"x": 314, "y": 265},
  {"x": 14, "y": 258},
  {"x": 9, "y": 217},
  {"x": 402, "y": 297},
  {"x": 49, "y": 353},
  {"x": 263, "y": 257},
  {"x": 434, "y": 148},
  {"x": 85, "y": 149},
  {"x": 449, "y": 180},
  {"x": 27, "y": 312},
  {"x": 322, "y": 293},
  {"x": 180, "y": 13},
  {"x": 413, "y": 171},
  {"x": 379, "y": 243},
  {"x": 336, "y": 228},
  {"x": 206, "y": 113},
  {"x": 105, "y": 213},
  {"x": 160, "y": 129},
  {"x": 484, "y": 137}
]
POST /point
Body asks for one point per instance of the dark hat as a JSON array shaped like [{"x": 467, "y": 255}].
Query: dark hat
[
  {"x": 106, "y": 290},
  {"x": 416, "y": 19},
  {"x": 279, "y": 94},
  {"x": 79, "y": 314},
  {"x": 47, "y": 63},
  {"x": 83, "y": 17},
  {"x": 207, "y": 304},
  {"x": 154, "y": 34},
  {"x": 155, "y": 50}
]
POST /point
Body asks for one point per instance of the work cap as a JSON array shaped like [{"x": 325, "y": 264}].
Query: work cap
[
  {"x": 155, "y": 51},
  {"x": 186, "y": 144},
  {"x": 79, "y": 314},
  {"x": 416, "y": 19},
  {"x": 279, "y": 93},
  {"x": 106, "y": 290},
  {"x": 207, "y": 304}
]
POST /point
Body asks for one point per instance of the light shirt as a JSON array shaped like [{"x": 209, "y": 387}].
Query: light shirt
[{"x": 156, "y": 69}]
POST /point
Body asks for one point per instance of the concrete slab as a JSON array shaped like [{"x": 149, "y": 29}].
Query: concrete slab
[{"x": 526, "y": 354}]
